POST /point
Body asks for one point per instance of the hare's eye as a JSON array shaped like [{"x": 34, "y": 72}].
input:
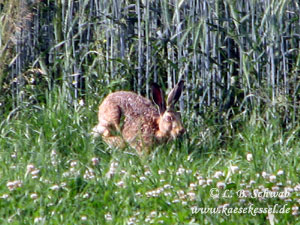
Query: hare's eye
[{"x": 169, "y": 118}]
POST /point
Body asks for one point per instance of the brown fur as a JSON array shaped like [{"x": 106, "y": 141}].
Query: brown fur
[{"x": 125, "y": 117}]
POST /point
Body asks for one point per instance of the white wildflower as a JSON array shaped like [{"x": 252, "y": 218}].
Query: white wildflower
[
  {"x": 38, "y": 220},
  {"x": 234, "y": 169},
  {"x": 30, "y": 168},
  {"x": 147, "y": 173},
  {"x": 53, "y": 153},
  {"x": 192, "y": 196},
  {"x": 131, "y": 221},
  {"x": 280, "y": 172},
  {"x": 160, "y": 172},
  {"x": 180, "y": 171},
  {"x": 86, "y": 195},
  {"x": 55, "y": 187},
  {"x": 202, "y": 182},
  {"x": 249, "y": 157},
  {"x": 81, "y": 102},
  {"x": 219, "y": 174},
  {"x": 265, "y": 175},
  {"x": 73, "y": 164},
  {"x": 14, "y": 155},
  {"x": 272, "y": 178},
  {"x": 275, "y": 188},
  {"x": 153, "y": 214},
  {"x": 252, "y": 182},
  {"x": 176, "y": 201},
  {"x": 89, "y": 174},
  {"x": 95, "y": 161},
  {"x": 142, "y": 178},
  {"x": 181, "y": 194},
  {"x": 108, "y": 217},
  {"x": 288, "y": 190},
  {"x": 167, "y": 194},
  {"x": 35, "y": 172},
  {"x": 4, "y": 196},
  {"x": 297, "y": 188},
  {"x": 112, "y": 169},
  {"x": 34, "y": 196},
  {"x": 138, "y": 194},
  {"x": 221, "y": 185},
  {"x": 209, "y": 181},
  {"x": 121, "y": 184},
  {"x": 193, "y": 186},
  {"x": 12, "y": 185},
  {"x": 168, "y": 186}
]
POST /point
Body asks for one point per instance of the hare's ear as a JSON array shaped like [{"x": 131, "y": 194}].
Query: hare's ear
[
  {"x": 158, "y": 98},
  {"x": 175, "y": 93}
]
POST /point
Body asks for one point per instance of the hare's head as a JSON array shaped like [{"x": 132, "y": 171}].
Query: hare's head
[{"x": 169, "y": 122}]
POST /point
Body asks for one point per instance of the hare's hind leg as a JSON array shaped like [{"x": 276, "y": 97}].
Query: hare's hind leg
[{"x": 115, "y": 141}]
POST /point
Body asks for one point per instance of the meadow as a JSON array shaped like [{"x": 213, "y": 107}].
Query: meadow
[
  {"x": 237, "y": 163},
  {"x": 54, "y": 172}
]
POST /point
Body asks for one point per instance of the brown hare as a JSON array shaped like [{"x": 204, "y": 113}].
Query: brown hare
[{"x": 127, "y": 117}]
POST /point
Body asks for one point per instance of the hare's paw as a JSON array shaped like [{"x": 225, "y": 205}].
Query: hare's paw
[{"x": 100, "y": 130}]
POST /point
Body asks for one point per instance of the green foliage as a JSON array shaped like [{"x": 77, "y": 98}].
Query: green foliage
[
  {"x": 233, "y": 55},
  {"x": 54, "y": 172}
]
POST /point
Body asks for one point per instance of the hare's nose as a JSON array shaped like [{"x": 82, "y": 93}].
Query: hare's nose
[{"x": 182, "y": 131}]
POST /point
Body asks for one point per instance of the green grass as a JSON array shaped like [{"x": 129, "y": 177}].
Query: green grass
[{"x": 49, "y": 150}]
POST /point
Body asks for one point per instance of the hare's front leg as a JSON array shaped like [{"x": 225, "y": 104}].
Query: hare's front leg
[
  {"x": 109, "y": 125},
  {"x": 106, "y": 131},
  {"x": 108, "y": 120}
]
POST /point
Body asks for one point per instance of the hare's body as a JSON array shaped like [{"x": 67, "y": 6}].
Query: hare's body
[
  {"x": 127, "y": 117},
  {"x": 131, "y": 115}
]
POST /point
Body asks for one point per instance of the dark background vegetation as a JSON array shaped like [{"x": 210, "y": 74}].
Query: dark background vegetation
[{"x": 235, "y": 56}]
